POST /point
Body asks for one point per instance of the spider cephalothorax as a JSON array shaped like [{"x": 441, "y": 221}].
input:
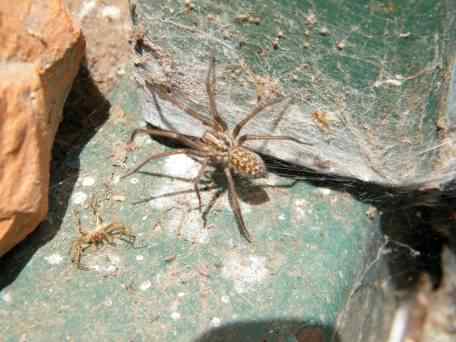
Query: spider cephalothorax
[{"x": 219, "y": 146}]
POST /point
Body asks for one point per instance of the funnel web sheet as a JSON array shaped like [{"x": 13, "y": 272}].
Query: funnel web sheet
[{"x": 367, "y": 81}]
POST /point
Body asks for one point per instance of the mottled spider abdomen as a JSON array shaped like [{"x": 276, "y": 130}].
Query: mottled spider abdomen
[{"x": 246, "y": 163}]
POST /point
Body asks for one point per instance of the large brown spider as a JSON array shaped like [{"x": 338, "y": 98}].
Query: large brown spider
[
  {"x": 103, "y": 232},
  {"x": 218, "y": 147}
]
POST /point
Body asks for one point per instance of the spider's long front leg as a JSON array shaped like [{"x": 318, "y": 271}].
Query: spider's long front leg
[
  {"x": 234, "y": 202},
  {"x": 210, "y": 88},
  {"x": 166, "y": 134},
  {"x": 165, "y": 95},
  {"x": 255, "y": 111},
  {"x": 247, "y": 137},
  {"x": 165, "y": 154}
]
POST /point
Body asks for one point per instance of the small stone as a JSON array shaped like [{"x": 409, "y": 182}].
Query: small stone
[
  {"x": 325, "y": 191},
  {"x": 324, "y": 31},
  {"x": 225, "y": 299},
  {"x": 145, "y": 285},
  {"x": 340, "y": 45},
  {"x": 88, "y": 181},
  {"x": 79, "y": 197},
  {"x": 110, "y": 12},
  {"x": 311, "y": 19},
  {"x": 215, "y": 322},
  {"x": 54, "y": 259},
  {"x": 372, "y": 212},
  {"x": 118, "y": 198},
  {"x": 175, "y": 316},
  {"x": 6, "y": 297}
]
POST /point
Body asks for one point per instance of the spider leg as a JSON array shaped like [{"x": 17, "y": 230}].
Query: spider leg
[
  {"x": 162, "y": 155},
  {"x": 76, "y": 255},
  {"x": 82, "y": 267},
  {"x": 98, "y": 218},
  {"x": 197, "y": 179},
  {"x": 166, "y": 134},
  {"x": 247, "y": 137},
  {"x": 234, "y": 202},
  {"x": 210, "y": 88},
  {"x": 211, "y": 205},
  {"x": 77, "y": 214},
  {"x": 166, "y": 95},
  {"x": 79, "y": 265},
  {"x": 114, "y": 228},
  {"x": 75, "y": 248},
  {"x": 255, "y": 111},
  {"x": 109, "y": 238},
  {"x": 130, "y": 238},
  {"x": 119, "y": 230}
]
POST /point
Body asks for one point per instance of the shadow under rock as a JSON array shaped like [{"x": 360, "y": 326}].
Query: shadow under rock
[
  {"x": 85, "y": 110},
  {"x": 415, "y": 246}
]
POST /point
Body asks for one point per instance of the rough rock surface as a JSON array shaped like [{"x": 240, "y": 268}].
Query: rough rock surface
[{"x": 40, "y": 54}]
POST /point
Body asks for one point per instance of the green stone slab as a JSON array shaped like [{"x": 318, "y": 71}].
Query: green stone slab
[{"x": 182, "y": 279}]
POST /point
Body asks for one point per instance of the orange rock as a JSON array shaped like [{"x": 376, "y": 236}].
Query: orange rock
[{"x": 40, "y": 53}]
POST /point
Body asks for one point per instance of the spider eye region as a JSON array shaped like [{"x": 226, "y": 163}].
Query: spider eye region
[{"x": 247, "y": 163}]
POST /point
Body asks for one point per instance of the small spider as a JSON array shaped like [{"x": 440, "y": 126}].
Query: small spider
[
  {"x": 103, "y": 232},
  {"x": 218, "y": 147}
]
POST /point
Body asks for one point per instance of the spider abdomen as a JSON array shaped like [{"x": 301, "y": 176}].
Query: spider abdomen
[{"x": 246, "y": 163}]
